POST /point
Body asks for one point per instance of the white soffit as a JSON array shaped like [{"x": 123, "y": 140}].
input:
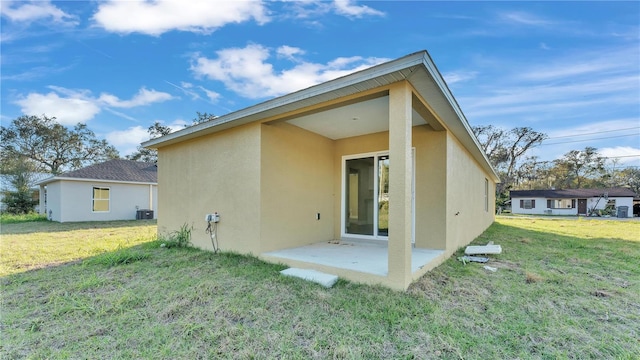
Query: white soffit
[{"x": 365, "y": 117}]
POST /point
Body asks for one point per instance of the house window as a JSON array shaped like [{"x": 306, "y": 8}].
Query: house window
[
  {"x": 561, "y": 203},
  {"x": 527, "y": 204},
  {"x": 100, "y": 199},
  {"x": 486, "y": 195}
]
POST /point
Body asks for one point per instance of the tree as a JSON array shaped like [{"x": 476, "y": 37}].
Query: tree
[
  {"x": 20, "y": 175},
  {"x": 630, "y": 177},
  {"x": 492, "y": 141},
  {"x": 533, "y": 174},
  {"x": 157, "y": 130},
  {"x": 52, "y": 147},
  {"x": 579, "y": 168},
  {"x": 150, "y": 155},
  {"x": 505, "y": 150},
  {"x": 202, "y": 117}
]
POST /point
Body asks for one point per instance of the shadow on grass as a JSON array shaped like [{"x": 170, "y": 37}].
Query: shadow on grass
[{"x": 51, "y": 226}]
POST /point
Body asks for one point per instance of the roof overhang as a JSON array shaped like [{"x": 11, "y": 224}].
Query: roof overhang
[
  {"x": 62, "y": 178},
  {"x": 417, "y": 68}
]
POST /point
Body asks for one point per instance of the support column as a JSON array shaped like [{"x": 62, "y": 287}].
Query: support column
[
  {"x": 400, "y": 178},
  {"x": 42, "y": 209}
]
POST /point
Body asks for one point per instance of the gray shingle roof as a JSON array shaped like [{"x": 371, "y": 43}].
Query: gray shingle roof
[
  {"x": 573, "y": 193},
  {"x": 114, "y": 170}
]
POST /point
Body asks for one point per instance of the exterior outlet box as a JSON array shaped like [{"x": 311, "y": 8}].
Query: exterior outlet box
[{"x": 215, "y": 217}]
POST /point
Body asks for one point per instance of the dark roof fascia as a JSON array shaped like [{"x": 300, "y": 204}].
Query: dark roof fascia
[
  {"x": 115, "y": 170},
  {"x": 572, "y": 193},
  {"x": 63, "y": 178}
]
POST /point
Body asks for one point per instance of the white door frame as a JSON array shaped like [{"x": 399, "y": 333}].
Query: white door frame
[{"x": 343, "y": 181}]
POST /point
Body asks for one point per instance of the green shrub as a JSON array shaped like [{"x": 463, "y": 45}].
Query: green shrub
[
  {"x": 180, "y": 238},
  {"x": 19, "y": 202}
]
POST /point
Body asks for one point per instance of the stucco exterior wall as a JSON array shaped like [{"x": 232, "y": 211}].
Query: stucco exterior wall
[
  {"x": 71, "y": 200},
  {"x": 213, "y": 173},
  {"x": 297, "y": 183},
  {"x": 430, "y": 187},
  {"x": 465, "y": 209}
]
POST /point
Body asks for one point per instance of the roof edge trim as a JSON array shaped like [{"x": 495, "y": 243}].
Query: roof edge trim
[{"x": 315, "y": 90}]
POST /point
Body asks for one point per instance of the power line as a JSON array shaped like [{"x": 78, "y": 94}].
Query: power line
[
  {"x": 592, "y": 133},
  {"x": 621, "y": 156},
  {"x": 592, "y": 139}
]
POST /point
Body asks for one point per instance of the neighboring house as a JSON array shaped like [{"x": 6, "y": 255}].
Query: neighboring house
[
  {"x": 6, "y": 185},
  {"x": 571, "y": 201},
  {"x": 112, "y": 190},
  {"x": 381, "y": 161}
]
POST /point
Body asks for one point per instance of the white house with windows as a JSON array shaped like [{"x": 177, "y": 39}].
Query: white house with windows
[
  {"x": 112, "y": 190},
  {"x": 617, "y": 201}
]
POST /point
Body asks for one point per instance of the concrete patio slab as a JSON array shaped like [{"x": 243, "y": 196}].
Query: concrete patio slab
[
  {"x": 365, "y": 257},
  {"x": 326, "y": 280}
]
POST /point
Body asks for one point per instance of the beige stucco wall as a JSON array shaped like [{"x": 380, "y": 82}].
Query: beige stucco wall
[
  {"x": 430, "y": 187},
  {"x": 71, "y": 200},
  {"x": 296, "y": 184},
  {"x": 218, "y": 172},
  {"x": 465, "y": 213}
]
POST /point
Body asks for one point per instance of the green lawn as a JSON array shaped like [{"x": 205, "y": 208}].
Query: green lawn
[{"x": 563, "y": 289}]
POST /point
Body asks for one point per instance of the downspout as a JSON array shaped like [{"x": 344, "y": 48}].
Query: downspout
[{"x": 150, "y": 196}]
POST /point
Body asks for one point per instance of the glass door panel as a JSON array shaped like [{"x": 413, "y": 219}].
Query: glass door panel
[
  {"x": 359, "y": 192},
  {"x": 383, "y": 195}
]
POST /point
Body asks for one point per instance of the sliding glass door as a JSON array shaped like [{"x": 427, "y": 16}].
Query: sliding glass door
[{"x": 366, "y": 196}]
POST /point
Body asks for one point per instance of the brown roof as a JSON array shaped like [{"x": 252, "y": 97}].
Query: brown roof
[
  {"x": 573, "y": 193},
  {"x": 114, "y": 170}
]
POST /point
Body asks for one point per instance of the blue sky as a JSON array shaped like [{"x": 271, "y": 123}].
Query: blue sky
[{"x": 568, "y": 69}]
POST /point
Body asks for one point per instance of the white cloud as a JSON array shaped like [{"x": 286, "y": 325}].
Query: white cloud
[
  {"x": 68, "y": 111},
  {"x": 247, "y": 71},
  {"x": 308, "y": 9},
  {"x": 588, "y": 64},
  {"x": 157, "y": 17},
  {"x": 36, "y": 72},
  {"x": 459, "y": 76},
  {"x": 624, "y": 155},
  {"x": 524, "y": 18},
  {"x": 30, "y": 11},
  {"x": 71, "y": 106},
  {"x": 349, "y": 9},
  {"x": 143, "y": 97},
  {"x": 587, "y": 85},
  {"x": 127, "y": 141},
  {"x": 186, "y": 88},
  {"x": 212, "y": 95},
  {"x": 289, "y": 52}
]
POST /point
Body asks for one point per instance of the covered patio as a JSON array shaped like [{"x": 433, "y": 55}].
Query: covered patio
[
  {"x": 370, "y": 258},
  {"x": 374, "y": 177}
]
